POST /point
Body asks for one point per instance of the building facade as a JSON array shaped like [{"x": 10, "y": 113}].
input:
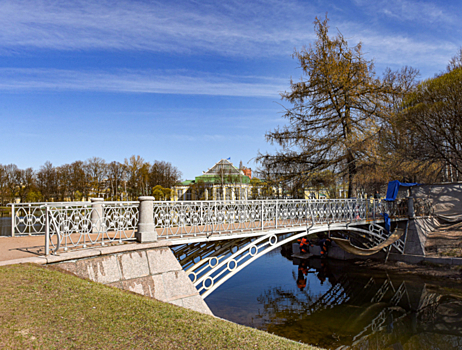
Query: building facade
[{"x": 223, "y": 181}]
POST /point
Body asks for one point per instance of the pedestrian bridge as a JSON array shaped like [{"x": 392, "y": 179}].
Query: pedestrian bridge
[
  {"x": 246, "y": 229},
  {"x": 70, "y": 225}
]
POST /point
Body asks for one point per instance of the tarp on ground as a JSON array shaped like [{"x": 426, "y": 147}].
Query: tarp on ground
[
  {"x": 393, "y": 188},
  {"x": 445, "y": 199},
  {"x": 346, "y": 245}
]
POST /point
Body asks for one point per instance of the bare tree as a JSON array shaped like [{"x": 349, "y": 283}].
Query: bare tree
[
  {"x": 96, "y": 169},
  {"x": 164, "y": 174},
  {"x": 455, "y": 62},
  {"x": 116, "y": 175},
  {"x": 337, "y": 108},
  {"x": 3, "y": 185},
  {"x": 80, "y": 183},
  {"x": 429, "y": 129},
  {"x": 64, "y": 178},
  {"x": 138, "y": 176},
  {"x": 25, "y": 181},
  {"x": 47, "y": 181},
  {"x": 79, "y": 180}
]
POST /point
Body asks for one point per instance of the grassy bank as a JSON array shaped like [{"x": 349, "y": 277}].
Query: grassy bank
[{"x": 42, "y": 308}]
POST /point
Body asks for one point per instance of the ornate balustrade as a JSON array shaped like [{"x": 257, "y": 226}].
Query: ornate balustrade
[
  {"x": 73, "y": 225},
  {"x": 28, "y": 218},
  {"x": 79, "y": 224},
  {"x": 179, "y": 219}
]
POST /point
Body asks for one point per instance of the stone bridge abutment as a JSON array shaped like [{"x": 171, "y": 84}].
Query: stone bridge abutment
[{"x": 153, "y": 272}]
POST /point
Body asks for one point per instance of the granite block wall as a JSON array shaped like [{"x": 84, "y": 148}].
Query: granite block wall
[{"x": 154, "y": 272}]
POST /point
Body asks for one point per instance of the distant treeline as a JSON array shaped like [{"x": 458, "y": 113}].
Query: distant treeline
[{"x": 81, "y": 180}]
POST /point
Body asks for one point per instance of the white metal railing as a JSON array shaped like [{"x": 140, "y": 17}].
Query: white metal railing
[
  {"x": 29, "y": 218},
  {"x": 179, "y": 219},
  {"x": 72, "y": 225},
  {"x": 79, "y": 224}
]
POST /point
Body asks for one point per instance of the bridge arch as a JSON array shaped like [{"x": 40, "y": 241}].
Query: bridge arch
[{"x": 212, "y": 271}]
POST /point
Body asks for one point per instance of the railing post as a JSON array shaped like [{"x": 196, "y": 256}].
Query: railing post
[
  {"x": 47, "y": 232},
  {"x": 215, "y": 205},
  {"x": 96, "y": 214},
  {"x": 202, "y": 215},
  {"x": 146, "y": 231},
  {"x": 410, "y": 207},
  {"x": 375, "y": 209},
  {"x": 262, "y": 215},
  {"x": 277, "y": 212},
  {"x": 12, "y": 220}
]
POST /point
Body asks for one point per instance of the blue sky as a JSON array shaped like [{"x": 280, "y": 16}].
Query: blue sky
[{"x": 189, "y": 82}]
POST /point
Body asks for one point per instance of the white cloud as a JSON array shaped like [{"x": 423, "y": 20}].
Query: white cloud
[
  {"x": 136, "y": 81},
  {"x": 240, "y": 28},
  {"x": 408, "y": 10},
  {"x": 404, "y": 50},
  {"x": 213, "y": 138},
  {"x": 230, "y": 27},
  {"x": 389, "y": 48}
]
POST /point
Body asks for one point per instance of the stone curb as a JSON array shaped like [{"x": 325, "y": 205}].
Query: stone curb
[
  {"x": 32, "y": 260},
  {"x": 93, "y": 252},
  {"x": 416, "y": 259}
]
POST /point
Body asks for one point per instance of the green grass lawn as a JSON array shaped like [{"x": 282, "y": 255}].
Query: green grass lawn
[{"x": 43, "y": 308}]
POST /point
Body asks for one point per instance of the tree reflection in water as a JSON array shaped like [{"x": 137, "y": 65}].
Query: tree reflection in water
[
  {"x": 335, "y": 304},
  {"x": 361, "y": 310}
]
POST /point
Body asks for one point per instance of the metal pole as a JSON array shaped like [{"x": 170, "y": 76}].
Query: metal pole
[
  {"x": 12, "y": 220},
  {"x": 47, "y": 232},
  {"x": 202, "y": 217},
  {"x": 262, "y": 215},
  {"x": 277, "y": 207},
  {"x": 375, "y": 208}
]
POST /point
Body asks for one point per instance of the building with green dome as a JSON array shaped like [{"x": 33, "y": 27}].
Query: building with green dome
[{"x": 223, "y": 181}]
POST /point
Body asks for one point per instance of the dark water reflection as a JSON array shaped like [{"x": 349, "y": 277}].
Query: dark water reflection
[
  {"x": 5, "y": 226},
  {"x": 338, "y": 305}
]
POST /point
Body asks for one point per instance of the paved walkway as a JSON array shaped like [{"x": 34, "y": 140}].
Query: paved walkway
[
  {"x": 21, "y": 247},
  {"x": 16, "y": 250}
]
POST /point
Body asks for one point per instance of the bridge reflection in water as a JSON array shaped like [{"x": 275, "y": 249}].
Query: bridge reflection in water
[{"x": 340, "y": 305}]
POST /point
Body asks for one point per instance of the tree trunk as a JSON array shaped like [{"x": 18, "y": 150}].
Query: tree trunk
[{"x": 351, "y": 173}]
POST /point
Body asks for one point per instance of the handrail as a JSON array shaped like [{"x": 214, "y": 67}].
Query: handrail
[{"x": 78, "y": 224}]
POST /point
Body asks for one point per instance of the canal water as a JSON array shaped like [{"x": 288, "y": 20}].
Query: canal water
[
  {"x": 338, "y": 305},
  {"x": 5, "y": 226}
]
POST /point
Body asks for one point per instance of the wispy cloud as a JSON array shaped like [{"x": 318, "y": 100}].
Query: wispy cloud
[
  {"x": 400, "y": 49},
  {"x": 213, "y": 138},
  {"x": 136, "y": 81},
  {"x": 237, "y": 28},
  {"x": 396, "y": 48},
  {"x": 230, "y": 27},
  {"x": 409, "y": 10}
]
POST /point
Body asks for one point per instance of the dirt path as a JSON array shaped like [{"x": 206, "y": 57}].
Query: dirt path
[{"x": 446, "y": 241}]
